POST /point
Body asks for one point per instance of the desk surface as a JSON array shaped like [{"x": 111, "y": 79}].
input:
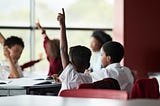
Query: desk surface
[
  {"x": 30, "y": 100},
  {"x": 21, "y": 83},
  {"x": 32, "y": 86}
]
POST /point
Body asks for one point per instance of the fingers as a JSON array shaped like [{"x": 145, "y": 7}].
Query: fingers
[
  {"x": 63, "y": 12},
  {"x": 2, "y": 39},
  {"x": 61, "y": 17},
  {"x": 40, "y": 56},
  {"x": 6, "y": 51},
  {"x": 38, "y": 25}
]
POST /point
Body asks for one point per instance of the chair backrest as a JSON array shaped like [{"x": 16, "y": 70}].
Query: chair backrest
[
  {"x": 95, "y": 93},
  {"x": 107, "y": 83},
  {"x": 145, "y": 88}
]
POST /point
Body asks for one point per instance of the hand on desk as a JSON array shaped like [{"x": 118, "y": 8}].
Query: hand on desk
[{"x": 55, "y": 78}]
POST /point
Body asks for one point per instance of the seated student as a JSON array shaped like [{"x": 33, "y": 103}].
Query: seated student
[
  {"x": 98, "y": 38},
  {"x": 9, "y": 68},
  {"x": 52, "y": 51},
  {"x": 79, "y": 56},
  {"x": 111, "y": 54},
  {"x": 27, "y": 64}
]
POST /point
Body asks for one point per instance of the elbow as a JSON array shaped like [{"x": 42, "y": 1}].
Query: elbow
[{"x": 13, "y": 75}]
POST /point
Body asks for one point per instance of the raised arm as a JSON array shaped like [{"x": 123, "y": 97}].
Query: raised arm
[
  {"x": 13, "y": 70},
  {"x": 43, "y": 31},
  {"x": 31, "y": 63},
  {"x": 63, "y": 39},
  {"x": 2, "y": 39}
]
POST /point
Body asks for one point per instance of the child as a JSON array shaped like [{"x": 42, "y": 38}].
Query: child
[
  {"x": 111, "y": 54},
  {"x": 98, "y": 38},
  {"x": 25, "y": 65},
  {"x": 9, "y": 68},
  {"x": 52, "y": 51},
  {"x": 79, "y": 56}
]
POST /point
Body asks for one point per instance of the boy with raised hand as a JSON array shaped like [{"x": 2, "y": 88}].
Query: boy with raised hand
[
  {"x": 74, "y": 63},
  {"x": 13, "y": 47},
  {"x": 52, "y": 50},
  {"x": 27, "y": 64}
]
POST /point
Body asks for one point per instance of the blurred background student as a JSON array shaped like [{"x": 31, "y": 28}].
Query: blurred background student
[
  {"x": 98, "y": 38},
  {"x": 12, "y": 48},
  {"x": 52, "y": 49},
  {"x": 27, "y": 64}
]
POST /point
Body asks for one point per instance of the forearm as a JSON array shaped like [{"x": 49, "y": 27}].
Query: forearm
[
  {"x": 63, "y": 43},
  {"x": 29, "y": 64},
  {"x": 43, "y": 31},
  {"x": 64, "y": 46},
  {"x": 2, "y": 39},
  {"x": 13, "y": 69}
]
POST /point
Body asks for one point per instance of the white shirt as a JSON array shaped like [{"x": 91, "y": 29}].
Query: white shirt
[
  {"x": 70, "y": 78},
  {"x": 121, "y": 73},
  {"x": 5, "y": 70},
  {"x": 96, "y": 63}
]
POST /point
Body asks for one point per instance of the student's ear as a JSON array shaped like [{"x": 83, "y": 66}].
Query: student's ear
[{"x": 108, "y": 58}]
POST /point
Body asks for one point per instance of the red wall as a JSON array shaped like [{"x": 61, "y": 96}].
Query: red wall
[{"x": 141, "y": 33}]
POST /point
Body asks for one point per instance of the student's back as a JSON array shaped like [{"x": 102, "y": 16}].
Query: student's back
[
  {"x": 111, "y": 55},
  {"x": 74, "y": 63}
]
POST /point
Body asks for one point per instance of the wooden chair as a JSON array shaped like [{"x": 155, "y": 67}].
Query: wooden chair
[
  {"x": 95, "y": 93},
  {"x": 145, "y": 88}
]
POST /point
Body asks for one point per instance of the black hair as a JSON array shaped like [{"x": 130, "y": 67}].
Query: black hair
[
  {"x": 80, "y": 57},
  {"x": 115, "y": 50},
  {"x": 101, "y": 36},
  {"x": 13, "y": 40}
]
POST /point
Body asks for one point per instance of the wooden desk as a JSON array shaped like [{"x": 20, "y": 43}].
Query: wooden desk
[
  {"x": 24, "y": 86},
  {"x": 32, "y": 100}
]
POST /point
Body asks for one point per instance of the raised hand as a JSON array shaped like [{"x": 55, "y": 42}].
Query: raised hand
[
  {"x": 63, "y": 39},
  {"x": 6, "y": 52},
  {"x": 2, "y": 39},
  {"x": 40, "y": 56},
  {"x": 61, "y": 17},
  {"x": 38, "y": 25}
]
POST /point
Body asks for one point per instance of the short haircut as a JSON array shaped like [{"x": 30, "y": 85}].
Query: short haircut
[
  {"x": 101, "y": 36},
  {"x": 13, "y": 40},
  {"x": 115, "y": 50},
  {"x": 80, "y": 57}
]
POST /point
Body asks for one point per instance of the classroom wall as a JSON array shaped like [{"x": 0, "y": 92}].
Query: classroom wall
[{"x": 137, "y": 26}]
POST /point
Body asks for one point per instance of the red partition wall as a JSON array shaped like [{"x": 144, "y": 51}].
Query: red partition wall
[{"x": 137, "y": 26}]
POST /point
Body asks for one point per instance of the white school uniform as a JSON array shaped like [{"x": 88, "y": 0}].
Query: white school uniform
[
  {"x": 96, "y": 63},
  {"x": 121, "y": 73},
  {"x": 70, "y": 78},
  {"x": 5, "y": 70}
]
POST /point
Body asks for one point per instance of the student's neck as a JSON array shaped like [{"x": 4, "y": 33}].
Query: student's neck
[{"x": 78, "y": 70}]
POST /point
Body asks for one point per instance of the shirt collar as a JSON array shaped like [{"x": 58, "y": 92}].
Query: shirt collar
[{"x": 114, "y": 65}]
